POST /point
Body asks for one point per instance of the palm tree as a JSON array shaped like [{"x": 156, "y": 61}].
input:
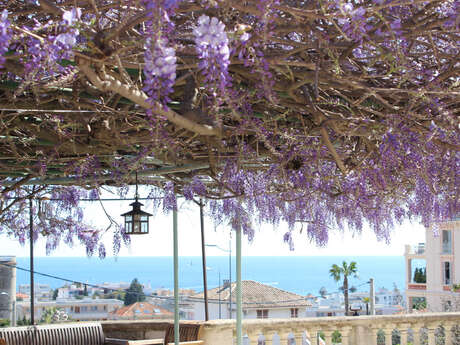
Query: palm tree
[
  {"x": 345, "y": 270},
  {"x": 367, "y": 300}
]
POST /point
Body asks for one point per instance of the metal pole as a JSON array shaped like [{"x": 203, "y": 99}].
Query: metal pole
[
  {"x": 13, "y": 321},
  {"x": 176, "y": 279},
  {"x": 203, "y": 256},
  {"x": 220, "y": 309},
  {"x": 31, "y": 242},
  {"x": 230, "y": 272},
  {"x": 372, "y": 295},
  {"x": 239, "y": 296}
]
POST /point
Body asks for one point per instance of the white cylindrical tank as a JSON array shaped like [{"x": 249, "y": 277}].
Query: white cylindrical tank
[{"x": 7, "y": 286}]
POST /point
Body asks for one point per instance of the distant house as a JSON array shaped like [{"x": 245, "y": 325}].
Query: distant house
[
  {"x": 333, "y": 304},
  {"x": 41, "y": 291},
  {"x": 22, "y": 296},
  {"x": 140, "y": 310},
  {"x": 260, "y": 301},
  {"x": 77, "y": 310}
]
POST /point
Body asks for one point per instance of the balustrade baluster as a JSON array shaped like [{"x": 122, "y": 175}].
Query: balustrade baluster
[
  {"x": 374, "y": 332},
  {"x": 298, "y": 333},
  {"x": 404, "y": 334},
  {"x": 416, "y": 329},
  {"x": 328, "y": 336},
  {"x": 388, "y": 335},
  {"x": 448, "y": 333},
  {"x": 431, "y": 335},
  {"x": 345, "y": 332},
  {"x": 403, "y": 329}
]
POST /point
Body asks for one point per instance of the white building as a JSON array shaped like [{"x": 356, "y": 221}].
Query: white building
[
  {"x": 41, "y": 291},
  {"x": 441, "y": 254},
  {"x": 77, "y": 310},
  {"x": 260, "y": 301},
  {"x": 388, "y": 302}
]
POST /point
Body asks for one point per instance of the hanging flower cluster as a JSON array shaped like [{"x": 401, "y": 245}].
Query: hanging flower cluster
[
  {"x": 160, "y": 69},
  {"x": 5, "y": 35},
  {"x": 45, "y": 55},
  {"x": 213, "y": 50}
]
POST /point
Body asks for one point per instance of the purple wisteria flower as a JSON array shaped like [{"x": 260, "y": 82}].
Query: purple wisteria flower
[
  {"x": 354, "y": 21},
  {"x": 68, "y": 39},
  {"x": 160, "y": 69},
  {"x": 43, "y": 57},
  {"x": 169, "y": 200},
  {"x": 5, "y": 35},
  {"x": 213, "y": 50}
]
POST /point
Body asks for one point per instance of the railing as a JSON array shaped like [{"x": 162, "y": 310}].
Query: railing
[
  {"x": 416, "y": 286},
  {"x": 414, "y": 329},
  {"x": 363, "y": 330},
  {"x": 419, "y": 249}
]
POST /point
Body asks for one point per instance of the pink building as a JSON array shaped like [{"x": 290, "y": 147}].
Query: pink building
[{"x": 440, "y": 255}]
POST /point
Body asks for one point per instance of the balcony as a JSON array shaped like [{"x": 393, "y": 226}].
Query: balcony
[
  {"x": 362, "y": 330},
  {"x": 416, "y": 250},
  {"x": 416, "y": 286}
]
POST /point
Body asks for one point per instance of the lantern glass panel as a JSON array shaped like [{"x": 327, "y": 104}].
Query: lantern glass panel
[
  {"x": 144, "y": 219},
  {"x": 128, "y": 227},
  {"x": 144, "y": 227},
  {"x": 136, "y": 227},
  {"x": 137, "y": 217}
]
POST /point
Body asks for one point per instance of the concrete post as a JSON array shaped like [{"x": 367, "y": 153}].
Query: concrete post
[
  {"x": 372, "y": 296},
  {"x": 176, "y": 279},
  {"x": 7, "y": 287}
]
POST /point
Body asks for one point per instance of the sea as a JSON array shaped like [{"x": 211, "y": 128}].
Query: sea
[{"x": 300, "y": 274}]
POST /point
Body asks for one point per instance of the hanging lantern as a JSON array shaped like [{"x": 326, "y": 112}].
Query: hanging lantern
[{"x": 136, "y": 220}]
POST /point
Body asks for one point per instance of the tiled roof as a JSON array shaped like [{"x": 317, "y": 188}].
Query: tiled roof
[
  {"x": 256, "y": 295},
  {"x": 141, "y": 310}
]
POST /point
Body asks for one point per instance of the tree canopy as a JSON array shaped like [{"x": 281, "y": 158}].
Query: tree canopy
[
  {"x": 135, "y": 293},
  {"x": 327, "y": 114},
  {"x": 345, "y": 271}
]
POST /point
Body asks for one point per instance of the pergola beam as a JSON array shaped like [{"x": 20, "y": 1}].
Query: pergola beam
[{"x": 151, "y": 173}]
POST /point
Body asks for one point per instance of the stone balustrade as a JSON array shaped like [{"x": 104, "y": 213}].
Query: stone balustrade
[{"x": 413, "y": 329}]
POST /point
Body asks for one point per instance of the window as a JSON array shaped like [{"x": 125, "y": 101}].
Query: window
[
  {"x": 447, "y": 273},
  {"x": 84, "y": 309},
  {"x": 77, "y": 310},
  {"x": 294, "y": 312},
  {"x": 446, "y": 242},
  {"x": 262, "y": 313},
  {"x": 94, "y": 308}
]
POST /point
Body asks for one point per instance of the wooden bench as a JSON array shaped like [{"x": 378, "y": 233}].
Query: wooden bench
[{"x": 87, "y": 333}]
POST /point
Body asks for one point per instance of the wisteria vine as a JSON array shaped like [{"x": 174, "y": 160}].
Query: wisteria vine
[{"x": 320, "y": 115}]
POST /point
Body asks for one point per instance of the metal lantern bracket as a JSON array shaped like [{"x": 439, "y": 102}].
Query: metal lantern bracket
[{"x": 136, "y": 220}]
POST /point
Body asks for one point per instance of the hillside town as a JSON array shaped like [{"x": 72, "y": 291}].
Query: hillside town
[{"x": 124, "y": 300}]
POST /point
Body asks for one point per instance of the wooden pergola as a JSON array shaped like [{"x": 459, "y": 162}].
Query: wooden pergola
[{"x": 316, "y": 94}]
